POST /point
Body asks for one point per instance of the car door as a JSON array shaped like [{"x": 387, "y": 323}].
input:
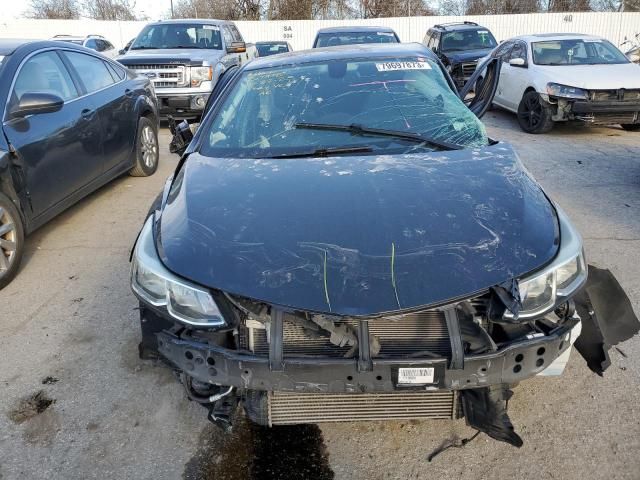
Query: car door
[
  {"x": 107, "y": 86},
  {"x": 513, "y": 77},
  {"x": 500, "y": 53},
  {"x": 485, "y": 90},
  {"x": 58, "y": 152}
]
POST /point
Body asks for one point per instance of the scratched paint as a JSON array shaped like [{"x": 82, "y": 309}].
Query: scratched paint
[{"x": 460, "y": 222}]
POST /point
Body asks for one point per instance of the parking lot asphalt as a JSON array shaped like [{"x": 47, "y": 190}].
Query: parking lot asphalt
[{"x": 76, "y": 402}]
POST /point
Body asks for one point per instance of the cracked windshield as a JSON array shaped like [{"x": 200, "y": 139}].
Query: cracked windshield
[{"x": 389, "y": 106}]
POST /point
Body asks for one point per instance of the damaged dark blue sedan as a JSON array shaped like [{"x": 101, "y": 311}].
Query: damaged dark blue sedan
[{"x": 342, "y": 241}]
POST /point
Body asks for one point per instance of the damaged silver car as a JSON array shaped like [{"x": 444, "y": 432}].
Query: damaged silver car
[{"x": 342, "y": 241}]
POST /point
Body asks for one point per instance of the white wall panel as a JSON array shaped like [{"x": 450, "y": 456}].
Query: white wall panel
[{"x": 300, "y": 33}]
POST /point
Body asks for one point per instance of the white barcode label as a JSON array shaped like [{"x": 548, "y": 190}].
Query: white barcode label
[
  {"x": 389, "y": 66},
  {"x": 415, "y": 375}
]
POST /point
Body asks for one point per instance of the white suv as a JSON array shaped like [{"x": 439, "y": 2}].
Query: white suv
[
  {"x": 558, "y": 77},
  {"x": 94, "y": 42}
]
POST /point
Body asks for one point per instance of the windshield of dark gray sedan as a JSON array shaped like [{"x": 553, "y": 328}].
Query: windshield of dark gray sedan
[
  {"x": 576, "y": 52},
  {"x": 289, "y": 110}
]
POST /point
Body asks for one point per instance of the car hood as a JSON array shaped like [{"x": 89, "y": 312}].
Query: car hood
[
  {"x": 170, "y": 55},
  {"x": 357, "y": 235},
  {"x": 594, "y": 77},
  {"x": 468, "y": 56}
]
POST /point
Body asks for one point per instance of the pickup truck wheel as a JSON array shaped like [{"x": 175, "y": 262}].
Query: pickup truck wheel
[
  {"x": 11, "y": 240},
  {"x": 147, "y": 153},
  {"x": 631, "y": 127},
  {"x": 534, "y": 115}
]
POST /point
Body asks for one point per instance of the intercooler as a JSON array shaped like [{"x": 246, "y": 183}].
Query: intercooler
[
  {"x": 421, "y": 334},
  {"x": 294, "y": 408}
]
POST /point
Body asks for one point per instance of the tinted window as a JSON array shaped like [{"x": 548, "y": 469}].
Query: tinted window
[
  {"x": 92, "y": 44},
  {"x": 101, "y": 45},
  {"x": 346, "y": 38},
  {"x": 576, "y": 52},
  {"x": 178, "y": 35},
  {"x": 265, "y": 112},
  {"x": 44, "y": 73},
  {"x": 235, "y": 33},
  {"x": 116, "y": 72},
  {"x": 228, "y": 36},
  {"x": 92, "y": 71},
  {"x": 502, "y": 49},
  {"x": 467, "y": 40},
  {"x": 266, "y": 49},
  {"x": 518, "y": 51}
]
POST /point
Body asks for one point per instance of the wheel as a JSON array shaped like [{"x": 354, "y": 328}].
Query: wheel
[
  {"x": 147, "y": 152},
  {"x": 534, "y": 115},
  {"x": 11, "y": 240},
  {"x": 631, "y": 127}
]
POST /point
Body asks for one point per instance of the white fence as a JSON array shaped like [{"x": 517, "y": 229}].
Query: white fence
[{"x": 614, "y": 26}]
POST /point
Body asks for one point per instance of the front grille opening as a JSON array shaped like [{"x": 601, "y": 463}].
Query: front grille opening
[{"x": 421, "y": 334}]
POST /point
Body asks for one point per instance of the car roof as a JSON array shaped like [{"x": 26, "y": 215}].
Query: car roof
[
  {"x": 555, "y": 36},
  {"x": 455, "y": 26},
  {"x": 343, "y": 52},
  {"x": 355, "y": 29},
  {"x": 9, "y": 45}
]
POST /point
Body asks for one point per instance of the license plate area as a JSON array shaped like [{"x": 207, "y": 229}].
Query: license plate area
[{"x": 411, "y": 376}]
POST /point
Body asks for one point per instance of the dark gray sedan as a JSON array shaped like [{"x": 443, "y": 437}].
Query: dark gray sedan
[{"x": 72, "y": 120}]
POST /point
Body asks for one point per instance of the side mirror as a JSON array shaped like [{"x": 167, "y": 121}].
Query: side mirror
[
  {"x": 182, "y": 136},
  {"x": 517, "y": 62},
  {"x": 435, "y": 50},
  {"x": 237, "y": 47},
  {"x": 122, "y": 51},
  {"x": 32, "y": 103}
]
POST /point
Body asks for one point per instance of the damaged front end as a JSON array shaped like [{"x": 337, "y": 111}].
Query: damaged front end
[
  {"x": 289, "y": 366},
  {"x": 594, "y": 107}
]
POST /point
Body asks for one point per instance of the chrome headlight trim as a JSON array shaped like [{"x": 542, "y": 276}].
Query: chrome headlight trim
[
  {"x": 145, "y": 256},
  {"x": 570, "y": 250}
]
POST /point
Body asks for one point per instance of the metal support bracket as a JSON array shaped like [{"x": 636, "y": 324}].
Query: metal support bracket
[
  {"x": 365, "y": 364},
  {"x": 275, "y": 344},
  {"x": 457, "y": 351}
]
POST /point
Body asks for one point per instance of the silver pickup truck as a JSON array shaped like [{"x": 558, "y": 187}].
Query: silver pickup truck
[{"x": 184, "y": 59}]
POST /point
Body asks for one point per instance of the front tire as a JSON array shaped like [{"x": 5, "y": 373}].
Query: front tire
[
  {"x": 147, "y": 153},
  {"x": 631, "y": 127},
  {"x": 11, "y": 240},
  {"x": 534, "y": 114}
]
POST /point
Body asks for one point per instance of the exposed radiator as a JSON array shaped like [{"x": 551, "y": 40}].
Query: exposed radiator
[
  {"x": 399, "y": 336},
  {"x": 294, "y": 408}
]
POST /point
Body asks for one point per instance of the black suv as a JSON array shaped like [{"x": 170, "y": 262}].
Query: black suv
[{"x": 459, "y": 46}]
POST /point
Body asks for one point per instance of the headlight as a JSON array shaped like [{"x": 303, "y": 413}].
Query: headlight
[
  {"x": 156, "y": 285},
  {"x": 201, "y": 74},
  {"x": 565, "y": 91},
  {"x": 541, "y": 292}
]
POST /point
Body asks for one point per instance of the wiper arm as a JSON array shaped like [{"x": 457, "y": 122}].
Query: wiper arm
[
  {"x": 325, "y": 152},
  {"x": 378, "y": 132}
]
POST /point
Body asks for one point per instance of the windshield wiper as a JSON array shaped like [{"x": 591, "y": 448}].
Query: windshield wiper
[
  {"x": 378, "y": 132},
  {"x": 324, "y": 152}
]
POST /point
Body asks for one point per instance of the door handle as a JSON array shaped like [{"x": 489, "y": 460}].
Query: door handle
[
  {"x": 87, "y": 114},
  {"x": 128, "y": 92}
]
